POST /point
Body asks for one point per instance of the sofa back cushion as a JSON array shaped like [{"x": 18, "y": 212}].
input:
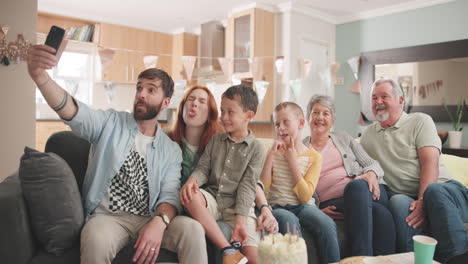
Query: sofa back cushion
[
  {"x": 458, "y": 166},
  {"x": 73, "y": 149},
  {"x": 53, "y": 200}
]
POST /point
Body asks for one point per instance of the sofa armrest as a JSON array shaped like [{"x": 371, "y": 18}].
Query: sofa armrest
[{"x": 16, "y": 240}]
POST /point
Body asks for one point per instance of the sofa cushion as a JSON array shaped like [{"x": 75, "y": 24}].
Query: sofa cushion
[
  {"x": 53, "y": 200},
  {"x": 458, "y": 166}
]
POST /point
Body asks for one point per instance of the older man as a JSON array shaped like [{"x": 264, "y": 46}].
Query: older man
[{"x": 408, "y": 149}]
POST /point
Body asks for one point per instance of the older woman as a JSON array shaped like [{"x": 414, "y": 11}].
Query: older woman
[
  {"x": 348, "y": 186},
  {"x": 197, "y": 122}
]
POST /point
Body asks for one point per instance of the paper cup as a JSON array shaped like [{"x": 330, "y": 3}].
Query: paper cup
[{"x": 424, "y": 248}]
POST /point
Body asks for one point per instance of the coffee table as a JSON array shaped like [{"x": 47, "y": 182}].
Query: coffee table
[{"x": 402, "y": 258}]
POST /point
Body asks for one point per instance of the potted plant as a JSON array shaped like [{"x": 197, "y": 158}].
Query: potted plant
[{"x": 455, "y": 136}]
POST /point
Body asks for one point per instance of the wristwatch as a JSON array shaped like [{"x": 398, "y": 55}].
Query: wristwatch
[
  {"x": 165, "y": 218},
  {"x": 266, "y": 205}
]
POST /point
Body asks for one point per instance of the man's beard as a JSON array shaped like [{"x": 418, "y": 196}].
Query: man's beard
[
  {"x": 381, "y": 116},
  {"x": 151, "y": 112}
]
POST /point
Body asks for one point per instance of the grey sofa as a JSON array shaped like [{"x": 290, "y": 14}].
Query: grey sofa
[{"x": 17, "y": 242}]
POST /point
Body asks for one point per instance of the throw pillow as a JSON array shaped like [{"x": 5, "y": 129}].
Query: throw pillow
[{"x": 53, "y": 200}]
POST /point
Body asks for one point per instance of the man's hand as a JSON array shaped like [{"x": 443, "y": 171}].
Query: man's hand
[
  {"x": 149, "y": 241},
  {"x": 188, "y": 190},
  {"x": 416, "y": 218},
  {"x": 41, "y": 58},
  {"x": 239, "y": 233},
  {"x": 329, "y": 210},
  {"x": 371, "y": 178},
  {"x": 266, "y": 221}
]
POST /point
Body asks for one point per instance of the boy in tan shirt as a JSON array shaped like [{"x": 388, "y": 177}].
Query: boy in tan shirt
[{"x": 228, "y": 170}]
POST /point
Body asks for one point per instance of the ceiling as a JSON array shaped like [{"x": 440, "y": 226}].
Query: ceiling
[{"x": 187, "y": 15}]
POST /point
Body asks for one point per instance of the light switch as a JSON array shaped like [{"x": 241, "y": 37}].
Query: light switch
[{"x": 339, "y": 81}]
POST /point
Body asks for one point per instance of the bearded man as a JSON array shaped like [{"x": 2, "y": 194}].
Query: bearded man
[
  {"x": 131, "y": 189},
  {"x": 423, "y": 196}
]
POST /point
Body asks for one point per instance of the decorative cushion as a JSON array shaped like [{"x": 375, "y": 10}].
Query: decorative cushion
[
  {"x": 53, "y": 200},
  {"x": 458, "y": 166}
]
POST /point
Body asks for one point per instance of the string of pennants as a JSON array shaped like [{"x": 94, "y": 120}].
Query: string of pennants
[{"x": 327, "y": 74}]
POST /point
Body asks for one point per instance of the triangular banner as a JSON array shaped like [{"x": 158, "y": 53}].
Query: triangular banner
[
  {"x": 106, "y": 56},
  {"x": 150, "y": 61},
  {"x": 189, "y": 65},
  {"x": 305, "y": 66},
  {"x": 356, "y": 88},
  {"x": 326, "y": 77},
  {"x": 296, "y": 87},
  {"x": 334, "y": 68},
  {"x": 354, "y": 64},
  {"x": 3, "y": 30},
  {"x": 256, "y": 67},
  {"x": 225, "y": 64},
  {"x": 262, "y": 88},
  {"x": 279, "y": 64}
]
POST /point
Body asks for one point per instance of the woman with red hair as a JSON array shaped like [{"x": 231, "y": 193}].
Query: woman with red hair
[{"x": 197, "y": 121}]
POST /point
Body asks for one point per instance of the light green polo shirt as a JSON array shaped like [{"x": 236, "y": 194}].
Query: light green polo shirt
[{"x": 396, "y": 150}]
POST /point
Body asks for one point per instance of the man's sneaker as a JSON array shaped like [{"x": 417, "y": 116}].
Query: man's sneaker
[{"x": 236, "y": 258}]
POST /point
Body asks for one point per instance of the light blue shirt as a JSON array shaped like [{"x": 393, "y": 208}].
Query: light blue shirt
[{"x": 112, "y": 135}]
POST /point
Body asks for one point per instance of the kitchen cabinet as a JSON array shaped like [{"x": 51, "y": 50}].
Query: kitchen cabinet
[{"x": 250, "y": 38}]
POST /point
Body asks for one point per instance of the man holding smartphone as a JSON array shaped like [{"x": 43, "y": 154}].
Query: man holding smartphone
[{"x": 131, "y": 188}]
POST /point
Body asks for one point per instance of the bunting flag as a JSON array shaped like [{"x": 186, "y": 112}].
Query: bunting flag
[
  {"x": 262, "y": 88},
  {"x": 354, "y": 64},
  {"x": 256, "y": 67},
  {"x": 296, "y": 87},
  {"x": 235, "y": 81},
  {"x": 150, "y": 61},
  {"x": 326, "y": 77},
  {"x": 279, "y": 64},
  {"x": 189, "y": 65},
  {"x": 356, "y": 88},
  {"x": 226, "y": 64},
  {"x": 334, "y": 68},
  {"x": 305, "y": 66},
  {"x": 109, "y": 91},
  {"x": 106, "y": 56}
]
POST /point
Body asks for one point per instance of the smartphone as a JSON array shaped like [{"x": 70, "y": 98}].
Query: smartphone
[{"x": 54, "y": 38}]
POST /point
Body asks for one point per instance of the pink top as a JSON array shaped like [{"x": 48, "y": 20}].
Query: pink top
[{"x": 333, "y": 177}]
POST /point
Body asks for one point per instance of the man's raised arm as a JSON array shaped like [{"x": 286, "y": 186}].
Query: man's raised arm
[{"x": 40, "y": 59}]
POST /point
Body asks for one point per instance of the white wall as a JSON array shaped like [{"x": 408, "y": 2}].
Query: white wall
[
  {"x": 298, "y": 34},
  {"x": 17, "y": 107}
]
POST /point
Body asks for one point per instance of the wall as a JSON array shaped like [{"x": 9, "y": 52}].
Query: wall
[
  {"x": 17, "y": 106},
  {"x": 296, "y": 41},
  {"x": 440, "y": 23}
]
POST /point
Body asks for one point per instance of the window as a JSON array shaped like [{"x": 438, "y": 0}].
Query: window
[{"x": 74, "y": 73}]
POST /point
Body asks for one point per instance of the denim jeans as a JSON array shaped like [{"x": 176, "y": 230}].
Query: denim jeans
[
  {"x": 369, "y": 226},
  {"x": 399, "y": 207},
  {"x": 446, "y": 207},
  {"x": 312, "y": 219}
]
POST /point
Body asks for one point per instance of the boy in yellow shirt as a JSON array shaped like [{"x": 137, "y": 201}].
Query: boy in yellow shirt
[{"x": 291, "y": 174}]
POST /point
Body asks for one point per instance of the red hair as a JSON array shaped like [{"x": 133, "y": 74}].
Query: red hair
[{"x": 211, "y": 126}]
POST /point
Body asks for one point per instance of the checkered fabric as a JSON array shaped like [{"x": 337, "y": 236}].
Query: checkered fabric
[{"x": 128, "y": 191}]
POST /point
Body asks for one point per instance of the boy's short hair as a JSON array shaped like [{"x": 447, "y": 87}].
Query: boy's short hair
[
  {"x": 248, "y": 96},
  {"x": 297, "y": 110}
]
